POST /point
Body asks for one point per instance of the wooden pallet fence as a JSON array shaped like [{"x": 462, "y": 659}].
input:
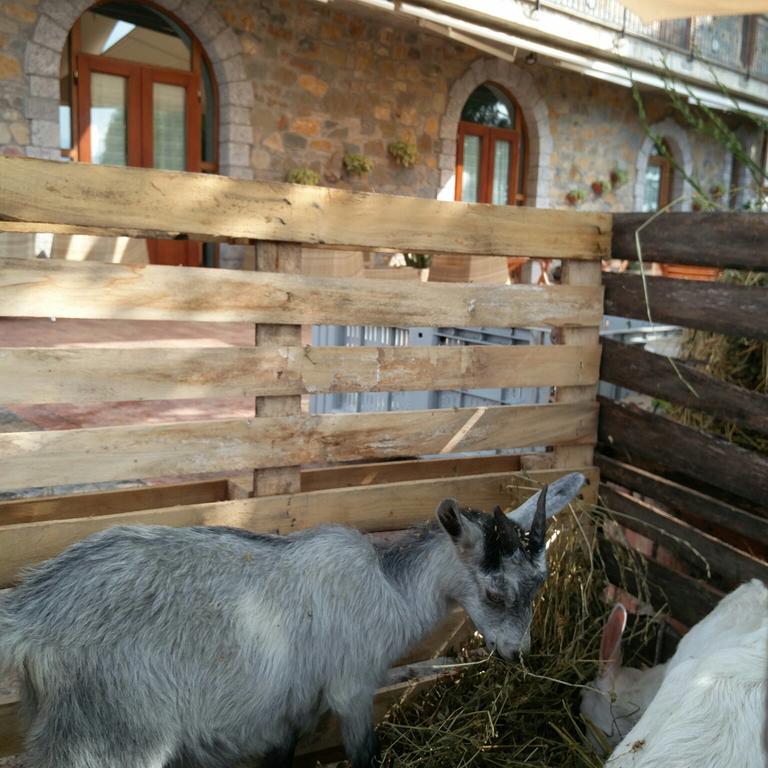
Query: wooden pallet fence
[
  {"x": 639, "y": 437},
  {"x": 138, "y": 202},
  {"x": 655, "y": 375}
]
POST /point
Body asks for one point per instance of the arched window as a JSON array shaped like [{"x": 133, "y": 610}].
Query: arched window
[
  {"x": 490, "y": 162},
  {"x": 659, "y": 179},
  {"x": 136, "y": 89}
]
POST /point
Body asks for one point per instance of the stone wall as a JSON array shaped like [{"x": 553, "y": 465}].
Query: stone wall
[{"x": 326, "y": 82}]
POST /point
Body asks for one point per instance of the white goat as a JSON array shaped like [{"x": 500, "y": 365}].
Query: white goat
[{"x": 711, "y": 665}]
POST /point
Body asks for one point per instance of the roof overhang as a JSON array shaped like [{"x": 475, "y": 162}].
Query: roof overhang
[{"x": 660, "y": 10}]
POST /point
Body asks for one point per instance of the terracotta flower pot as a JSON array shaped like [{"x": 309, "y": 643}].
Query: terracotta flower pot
[{"x": 685, "y": 272}]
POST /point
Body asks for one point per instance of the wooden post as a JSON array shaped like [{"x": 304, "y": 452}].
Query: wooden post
[
  {"x": 277, "y": 257},
  {"x": 578, "y": 273}
]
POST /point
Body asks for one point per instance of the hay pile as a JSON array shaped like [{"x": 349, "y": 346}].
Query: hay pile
[
  {"x": 739, "y": 361},
  {"x": 499, "y": 714}
]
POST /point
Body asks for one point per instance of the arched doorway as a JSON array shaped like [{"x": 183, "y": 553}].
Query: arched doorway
[
  {"x": 660, "y": 177},
  {"x": 491, "y": 148},
  {"x": 137, "y": 90}
]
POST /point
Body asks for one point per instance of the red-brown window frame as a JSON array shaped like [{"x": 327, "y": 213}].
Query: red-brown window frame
[
  {"x": 488, "y": 136},
  {"x": 667, "y": 174}
]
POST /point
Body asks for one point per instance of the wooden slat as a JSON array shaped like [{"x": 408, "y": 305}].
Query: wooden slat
[
  {"x": 111, "y": 502},
  {"x": 578, "y": 274},
  {"x": 286, "y": 259},
  {"x": 689, "y": 599},
  {"x": 43, "y": 288},
  {"x": 679, "y": 498},
  {"x": 348, "y": 475},
  {"x": 55, "y": 375},
  {"x": 688, "y": 543},
  {"x": 735, "y": 310},
  {"x": 162, "y": 203},
  {"x": 634, "y": 368},
  {"x": 378, "y": 507},
  {"x": 629, "y": 432},
  {"x": 719, "y": 239},
  {"x": 115, "y": 453}
]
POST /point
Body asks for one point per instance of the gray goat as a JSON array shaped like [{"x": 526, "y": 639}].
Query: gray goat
[{"x": 147, "y": 646}]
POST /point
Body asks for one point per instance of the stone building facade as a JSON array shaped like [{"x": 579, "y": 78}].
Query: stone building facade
[{"x": 301, "y": 83}]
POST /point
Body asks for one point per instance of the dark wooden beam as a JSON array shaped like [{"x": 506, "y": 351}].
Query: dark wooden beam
[
  {"x": 680, "y": 499},
  {"x": 630, "y": 432},
  {"x": 689, "y": 544},
  {"x": 719, "y": 239},
  {"x": 689, "y": 599},
  {"x": 735, "y": 310},
  {"x": 634, "y": 368}
]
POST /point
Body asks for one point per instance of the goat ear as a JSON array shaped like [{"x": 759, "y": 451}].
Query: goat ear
[
  {"x": 610, "y": 643},
  {"x": 538, "y": 532},
  {"x": 464, "y": 531},
  {"x": 561, "y": 492}
]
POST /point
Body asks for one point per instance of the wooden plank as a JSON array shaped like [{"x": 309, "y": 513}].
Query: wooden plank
[
  {"x": 59, "y": 288},
  {"x": 581, "y": 274},
  {"x": 689, "y": 599},
  {"x": 632, "y": 367},
  {"x": 681, "y": 499},
  {"x": 32, "y": 459},
  {"x": 630, "y": 432},
  {"x": 353, "y": 475},
  {"x": 157, "y": 203},
  {"x": 111, "y": 502},
  {"x": 735, "y": 310},
  {"x": 286, "y": 259},
  {"x": 375, "y": 508},
  {"x": 56, "y": 375},
  {"x": 696, "y": 548},
  {"x": 727, "y": 239}
]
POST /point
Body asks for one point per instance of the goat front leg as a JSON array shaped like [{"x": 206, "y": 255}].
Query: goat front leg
[{"x": 358, "y": 734}]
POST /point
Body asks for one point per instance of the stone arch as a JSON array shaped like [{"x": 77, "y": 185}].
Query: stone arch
[
  {"x": 678, "y": 142},
  {"x": 521, "y": 85},
  {"x": 42, "y": 59}
]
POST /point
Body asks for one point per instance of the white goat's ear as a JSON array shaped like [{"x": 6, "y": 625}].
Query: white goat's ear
[
  {"x": 610, "y": 642},
  {"x": 559, "y": 493},
  {"x": 465, "y": 532}
]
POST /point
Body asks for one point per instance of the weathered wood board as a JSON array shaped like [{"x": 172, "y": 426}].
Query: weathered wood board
[
  {"x": 634, "y": 368},
  {"x": 729, "y": 239},
  {"x": 31, "y": 459},
  {"x": 56, "y": 375},
  {"x": 735, "y": 310},
  {"x": 157, "y": 203},
  {"x": 374, "y": 508},
  {"x": 43, "y": 288}
]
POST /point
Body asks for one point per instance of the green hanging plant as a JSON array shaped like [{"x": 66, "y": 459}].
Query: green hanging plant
[
  {"x": 619, "y": 177},
  {"x": 303, "y": 176},
  {"x": 403, "y": 152},
  {"x": 575, "y": 196},
  {"x": 357, "y": 165}
]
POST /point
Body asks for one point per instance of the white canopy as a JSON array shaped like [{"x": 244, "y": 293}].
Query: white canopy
[{"x": 657, "y": 10}]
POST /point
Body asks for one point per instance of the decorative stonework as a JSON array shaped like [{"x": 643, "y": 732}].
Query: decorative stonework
[
  {"x": 680, "y": 146},
  {"x": 539, "y": 149},
  {"x": 43, "y": 56}
]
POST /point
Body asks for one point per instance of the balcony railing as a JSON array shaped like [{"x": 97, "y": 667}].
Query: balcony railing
[{"x": 736, "y": 42}]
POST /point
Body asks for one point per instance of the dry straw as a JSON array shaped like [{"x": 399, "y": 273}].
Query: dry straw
[{"x": 503, "y": 714}]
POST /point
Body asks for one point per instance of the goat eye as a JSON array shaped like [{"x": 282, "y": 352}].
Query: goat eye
[{"x": 494, "y": 597}]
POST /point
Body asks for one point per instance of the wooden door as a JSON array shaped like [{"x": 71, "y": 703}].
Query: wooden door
[{"x": 141, "y": 116}]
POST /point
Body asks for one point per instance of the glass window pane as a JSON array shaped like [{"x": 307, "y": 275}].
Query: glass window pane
[
  {"x": 487, "y": 105},
  {"x": 169, "y": 123},
  {"x": 652, "y": 188},
  {"x": 500, "y": 173},
  {"x": 109, "y": 134},
  {"x": 470, "y": 176}
]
